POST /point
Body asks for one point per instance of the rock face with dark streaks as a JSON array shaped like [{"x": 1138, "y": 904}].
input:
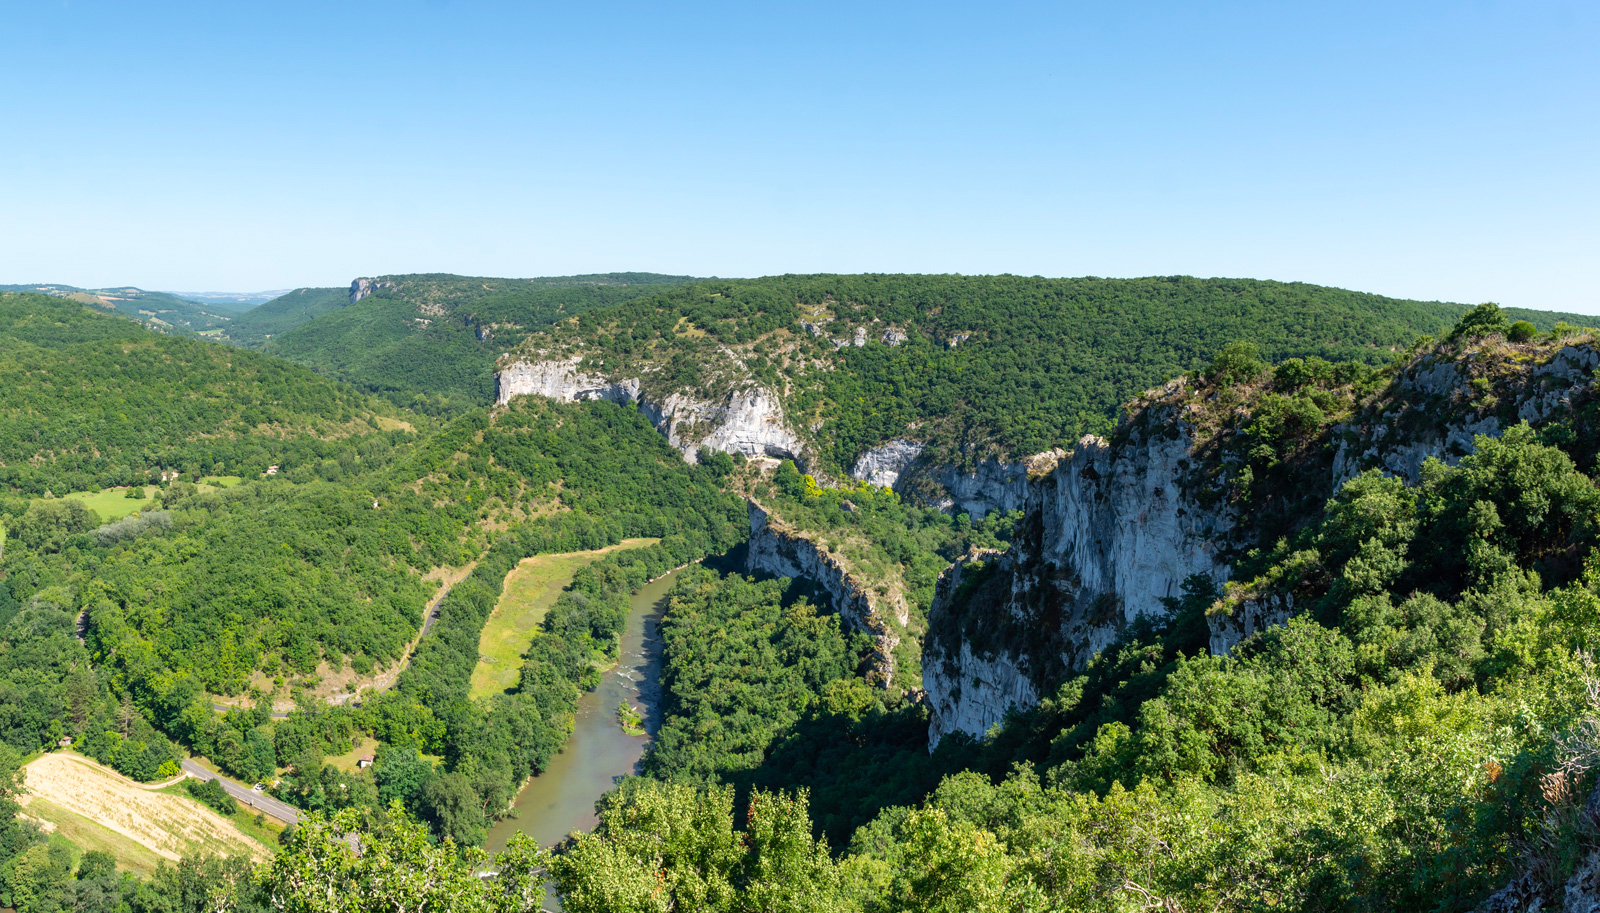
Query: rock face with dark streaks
[
  {"x": 748, "y": 420},
  {"x": 1108, "y": 536},
  {"x": 1113, "y": 530}
]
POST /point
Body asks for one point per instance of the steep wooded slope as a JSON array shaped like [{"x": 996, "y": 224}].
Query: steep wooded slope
[
  {"x": 163, "y": 312},
  {"x": 93, "y": 400},
  {"x": 975, "y": 366},
  {"x": 284, "y": 313}
]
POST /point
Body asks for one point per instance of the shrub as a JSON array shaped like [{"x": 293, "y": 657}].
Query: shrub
[
  {"x": 212, "y": 793},
  {"x": 1483, "y": 320},
  {"x": 1237, "y": 361}
]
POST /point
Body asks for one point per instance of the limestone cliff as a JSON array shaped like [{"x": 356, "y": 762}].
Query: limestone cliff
[
  {"x": 992, "y": 484},
  {"x": 883, "y": 465},
  {"x": 1438, "y": 405},
  {"x": 777, "y": 550},
  {"x": 361, "y": 288},
  {"x": 1108, "y": 535},
  {"x": 1116, "y": 527},
  {"x": 747, "y": 420}
]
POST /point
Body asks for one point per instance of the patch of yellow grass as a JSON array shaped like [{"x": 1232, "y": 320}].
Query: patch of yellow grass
[
  {"x": 163, "y": 824},
  {"x": 385, "y": 423},
  {"x": 530, "y": 590},
  {"x": 86, "y": 835}
]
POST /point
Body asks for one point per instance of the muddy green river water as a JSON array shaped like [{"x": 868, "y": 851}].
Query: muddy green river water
[{"x": 561, "y": 800}]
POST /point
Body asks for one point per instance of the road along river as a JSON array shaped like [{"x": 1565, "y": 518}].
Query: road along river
[{"x": 561, "y": 800}]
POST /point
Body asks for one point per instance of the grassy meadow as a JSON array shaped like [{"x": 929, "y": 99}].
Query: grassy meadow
[{"x": 531, "y": 588}]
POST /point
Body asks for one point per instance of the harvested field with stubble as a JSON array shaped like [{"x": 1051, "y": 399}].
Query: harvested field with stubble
[{"x": 166, "y": 825}]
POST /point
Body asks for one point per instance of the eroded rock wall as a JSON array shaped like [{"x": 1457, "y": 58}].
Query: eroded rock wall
[
  {"x": 1112, "y": 532},
  {"x": 748, "y": 421},
  {"x": 782, "y": 553},
  {"x": 1108, "y": 535}
]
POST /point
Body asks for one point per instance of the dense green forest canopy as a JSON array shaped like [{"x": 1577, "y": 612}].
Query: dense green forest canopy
[
  {"x": 284, "y": 313},
  {"x": 429, "y": 340},
  {"x": 973, "y": 363},
  {"x": 1418, "y": 735},
  {"x": 94, "y": 401}
]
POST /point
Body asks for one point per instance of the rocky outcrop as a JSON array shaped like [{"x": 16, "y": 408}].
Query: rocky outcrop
[
  {"x": 1529, "y": 892},
  {"x": 1438, "y": 407},
  {"x": 883, "y": 465},
  {"x": 361, "y": 288},
  {"x": 748, "y": 421},
  {"x": 560, "y": 381},
  {"x": 1248, "y": 617},
  {"x": 776, "y": 550},
  {"x": 1113, "y": 531},
  {"x": 1109, "y": 536},
  {"x": 991, "y": 485}
]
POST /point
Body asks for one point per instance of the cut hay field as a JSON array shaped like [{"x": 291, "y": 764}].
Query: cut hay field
[
  {"x": 98, "y": 808},
  {"x": 86, "y": 835},
  {"x": 530, "y": 590}
]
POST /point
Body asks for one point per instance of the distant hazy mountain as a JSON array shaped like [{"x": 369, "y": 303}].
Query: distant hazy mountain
[{"x": 238, "y": 302}]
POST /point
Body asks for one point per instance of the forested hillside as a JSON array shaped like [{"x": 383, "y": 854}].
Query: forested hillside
[
  {"x": 94, "y": 401},
  {"x": 160, "y": 311},
  {"x": 1417, "y": 733},
  {"x": 121, "y": 635},
  {"x": 427, "y": 341},
  {"x": 283, "y": 313},
  {"x": 975, "y": 365}
]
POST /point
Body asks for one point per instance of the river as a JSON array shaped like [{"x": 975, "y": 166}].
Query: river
[{"x": 561, "y": 800}]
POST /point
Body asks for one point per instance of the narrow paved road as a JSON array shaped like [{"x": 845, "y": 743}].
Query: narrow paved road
[{"x": 264, "y": 803}]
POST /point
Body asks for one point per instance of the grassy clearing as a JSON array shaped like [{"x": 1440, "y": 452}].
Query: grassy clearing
[
  {"x": 385, "y": 423},
  {"x": 165, "y": 825},
  {"x": 114, "y": 503},
  {"x": 531, "y": 589},
  {"x": 266, "y": 833},
  {"x": 347, "y": 761}
]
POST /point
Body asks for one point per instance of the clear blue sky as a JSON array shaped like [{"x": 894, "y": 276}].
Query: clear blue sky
[{"x": 1430, "y": 150}]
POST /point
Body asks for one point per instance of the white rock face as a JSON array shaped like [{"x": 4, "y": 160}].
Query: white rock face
[
  {"x": 749, "y": 421},
  {"x": 1116, "y": 535},
  {"x": 782, "y": 554},
  {"x": 361, "y": 288},
  {"x": 560, "y": 381},
  {"x": 992, "y": 485},
  {"x": 976, "y": 696},
  {"x": 1122, "y": 525},
  {"x": 883, "y": 466}
]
